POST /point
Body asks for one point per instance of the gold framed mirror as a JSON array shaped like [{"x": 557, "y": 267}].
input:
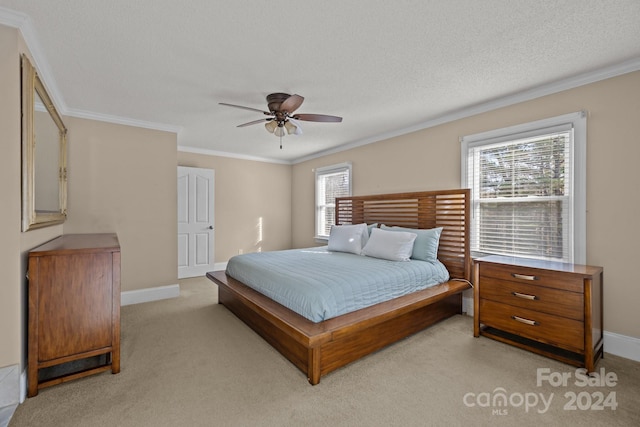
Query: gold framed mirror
[{"x": 44, "y": 155}]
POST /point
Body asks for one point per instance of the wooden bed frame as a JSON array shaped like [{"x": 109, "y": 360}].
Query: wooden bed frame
[{"x": 319, "y": 348}]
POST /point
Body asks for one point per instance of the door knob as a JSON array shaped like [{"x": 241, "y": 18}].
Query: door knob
[{"x": 211, "y": 227}]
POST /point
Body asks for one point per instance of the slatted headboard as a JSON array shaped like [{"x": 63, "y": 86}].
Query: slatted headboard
[{"x": 449, "y": 209}]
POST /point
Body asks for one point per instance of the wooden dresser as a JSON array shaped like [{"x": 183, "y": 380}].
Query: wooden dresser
[
  {"x": 550, "y": 308},
  {"x": 74, "y": 309}
]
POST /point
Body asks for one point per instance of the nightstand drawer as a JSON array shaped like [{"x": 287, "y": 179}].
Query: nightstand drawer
[
  {"x": 542, "y": 327},
  {"x": 533, "y": 297},
  {"x": 535, "y": 276}
]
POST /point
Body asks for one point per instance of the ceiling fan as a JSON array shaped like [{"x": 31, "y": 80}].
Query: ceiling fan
[{"x": 281, "y": 115}]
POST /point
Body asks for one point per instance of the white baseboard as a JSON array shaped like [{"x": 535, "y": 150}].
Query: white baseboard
[
  {"x": 23, "y": 385},
  {"x": 201, "y": 271},
  {"x": 9, "y": 392},
  {"x": 467, "y": 302},
  {"x": 622, "y": 345},
  {"x": 149, "y": 294}
]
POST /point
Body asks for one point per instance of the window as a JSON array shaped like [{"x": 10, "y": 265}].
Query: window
[
  {"x": 331, "y": 182},
  {"x": 528, "y": 189}
]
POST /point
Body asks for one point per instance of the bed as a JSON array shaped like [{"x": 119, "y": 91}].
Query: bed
[{"x": 318, "y": 348}]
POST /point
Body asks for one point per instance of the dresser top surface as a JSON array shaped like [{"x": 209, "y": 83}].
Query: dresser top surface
[
  {"x": 107, "y": 242},
  {"x": 541, "y": 264}
]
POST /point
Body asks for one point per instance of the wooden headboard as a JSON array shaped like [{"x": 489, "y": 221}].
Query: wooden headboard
[{"x": 449, "y": 209}]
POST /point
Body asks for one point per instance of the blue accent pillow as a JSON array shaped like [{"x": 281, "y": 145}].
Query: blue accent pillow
[{"x": 425, "y": 247}]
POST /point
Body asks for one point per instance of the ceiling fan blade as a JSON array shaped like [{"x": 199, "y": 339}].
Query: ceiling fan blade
[
  {"x": 255, "y": 122},
  {"x": 292, "y": 103},
  {"x": 317, "y": 118},
  {"x": 244, "y": 108}
]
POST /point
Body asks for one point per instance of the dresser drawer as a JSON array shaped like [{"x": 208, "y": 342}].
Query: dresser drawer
[
  {"x": 532, "y": 297},
  {"x": 551, "y": 279},
  {"x": 542, "y": 327}
]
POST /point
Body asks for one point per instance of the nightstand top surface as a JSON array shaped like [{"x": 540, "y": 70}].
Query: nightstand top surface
[{"x": 587, "y": 270}]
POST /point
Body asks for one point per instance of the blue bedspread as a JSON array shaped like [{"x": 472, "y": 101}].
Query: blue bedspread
[{"x": 319, "y": 284}]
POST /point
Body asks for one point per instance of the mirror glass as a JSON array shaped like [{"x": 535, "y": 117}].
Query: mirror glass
[
  {"x": 44, "y": 170},
  {"x": 46, "y": 153}
]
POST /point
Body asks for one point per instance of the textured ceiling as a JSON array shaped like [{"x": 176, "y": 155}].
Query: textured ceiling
[{"x": 385, "y": 67}]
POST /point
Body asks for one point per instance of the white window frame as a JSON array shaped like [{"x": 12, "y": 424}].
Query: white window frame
[
  {"x": 319, "y": 172},
  {"x": 578, "y": 121}
]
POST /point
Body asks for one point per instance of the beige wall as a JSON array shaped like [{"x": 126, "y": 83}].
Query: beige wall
[
  {"x": 15, "y": 244},
  {"x": 252, "y": 204},
  {"x": 430, "y": 159},
  {"x": 10, "y": 292},
  {"x": 122, "y": 180}
]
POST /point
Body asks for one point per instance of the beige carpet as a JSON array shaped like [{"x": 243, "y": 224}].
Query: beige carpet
[{"x": 189, "y": 362}]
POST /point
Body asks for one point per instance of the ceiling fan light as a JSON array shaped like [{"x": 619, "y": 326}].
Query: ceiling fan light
[
  {"x": 291, "y": 128},
  {"x": 297, "y": 129},
  {"x": 279, "y": 131},
  {"x": 271, "y": 126}
]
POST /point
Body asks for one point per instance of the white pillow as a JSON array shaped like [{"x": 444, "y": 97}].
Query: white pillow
[
  {"x": 390, "y": 245},
  {"x": 348, "y": 238}
]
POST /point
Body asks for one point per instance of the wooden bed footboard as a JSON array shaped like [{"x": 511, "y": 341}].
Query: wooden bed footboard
[{"x": 319, "y": 348}]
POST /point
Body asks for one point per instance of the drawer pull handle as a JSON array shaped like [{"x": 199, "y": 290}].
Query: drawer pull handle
[
  {"x": 525, "y": 296},
  {"x": 524, "y": 276},
  {"x": 525, "y": 321}
]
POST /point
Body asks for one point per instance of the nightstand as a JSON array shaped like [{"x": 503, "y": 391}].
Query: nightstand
[{"x": 550, "y": 308}]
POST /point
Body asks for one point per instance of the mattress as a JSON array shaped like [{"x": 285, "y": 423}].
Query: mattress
[{"x": 319, "y": 284}]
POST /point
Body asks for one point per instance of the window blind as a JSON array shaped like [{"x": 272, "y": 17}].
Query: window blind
[
  {"x": 331, "y": 182},
  {"x": 522, "y": 192}
]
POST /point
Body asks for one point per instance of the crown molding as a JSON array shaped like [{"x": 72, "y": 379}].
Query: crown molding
[
  {"x": 12, "y": 18},
  {"x": 208, "y": 152},
  {"x": 538, "y": 92},
  {"x": 82, "y": 114},
  {"x": 23, "y": 23}
]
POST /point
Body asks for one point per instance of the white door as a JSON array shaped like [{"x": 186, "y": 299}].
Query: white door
[{"x": 195, "y": 221}]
